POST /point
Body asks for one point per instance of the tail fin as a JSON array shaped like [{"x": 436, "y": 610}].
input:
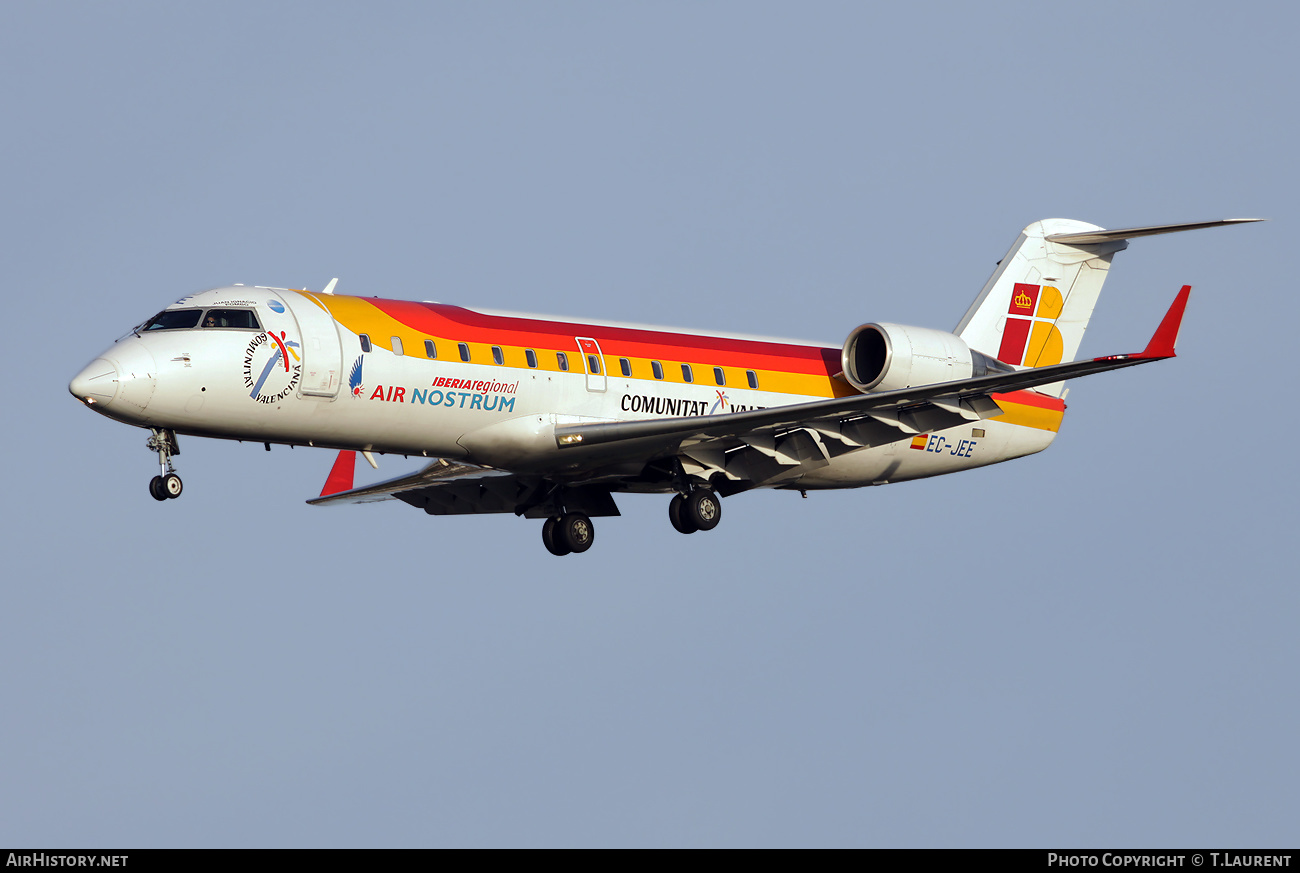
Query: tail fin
[{"x": 1033, "y": 310}]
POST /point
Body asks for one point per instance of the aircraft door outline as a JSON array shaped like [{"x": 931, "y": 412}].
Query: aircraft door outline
[
  {"x": 593, "y": 363},
  {"x": 322, "y": 350}
]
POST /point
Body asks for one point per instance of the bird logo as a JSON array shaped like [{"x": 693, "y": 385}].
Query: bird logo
[{"x": 354, "y": 378}]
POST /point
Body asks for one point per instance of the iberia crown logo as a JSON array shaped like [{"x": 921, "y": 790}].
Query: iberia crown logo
[{"x": 1031, "y": 338}]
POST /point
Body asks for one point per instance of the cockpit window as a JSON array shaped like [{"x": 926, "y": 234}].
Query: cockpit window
[
  {"x": 174, "y": 319},
  {"x": 236, "y": 318}
]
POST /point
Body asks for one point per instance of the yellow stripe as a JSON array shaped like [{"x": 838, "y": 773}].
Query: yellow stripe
[
  {"x": 1025, "y": 415},
  {"x": 381, "y": 328}
]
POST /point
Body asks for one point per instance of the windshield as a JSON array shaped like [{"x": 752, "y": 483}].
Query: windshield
[
  {"x": 173, "y": 319},
  {"x": 241, "y": 318}
]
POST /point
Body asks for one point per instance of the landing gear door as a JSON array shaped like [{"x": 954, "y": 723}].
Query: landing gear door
[
  {"x": 322, "y": 368},
  {"x": 593, "y": 363}
]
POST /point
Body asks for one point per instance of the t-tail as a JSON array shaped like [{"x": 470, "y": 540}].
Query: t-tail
[{"x": 1033, "y": 310}]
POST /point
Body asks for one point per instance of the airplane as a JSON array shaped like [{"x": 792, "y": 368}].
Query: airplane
[{"x": 548, "y": 418}]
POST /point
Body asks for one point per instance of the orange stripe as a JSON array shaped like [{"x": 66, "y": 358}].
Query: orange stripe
[{"x": 782, "y": 368}]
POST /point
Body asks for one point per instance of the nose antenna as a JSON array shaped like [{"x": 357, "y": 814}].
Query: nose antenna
[{"x": 329, "y": 289}]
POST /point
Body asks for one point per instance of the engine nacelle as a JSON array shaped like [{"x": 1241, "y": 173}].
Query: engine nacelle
[{"x": 886, "y": 357}]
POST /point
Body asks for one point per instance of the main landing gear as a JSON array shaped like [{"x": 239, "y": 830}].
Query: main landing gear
[
  {"x": 566, "y": 533},
  {"x": 167, "y": 484},
  {"x": 697, "y": 509},
  {"x": 570, "y": 532}
]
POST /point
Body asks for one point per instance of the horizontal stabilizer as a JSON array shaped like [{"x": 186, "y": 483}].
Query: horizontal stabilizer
[{"x": 1092, "y": 237}]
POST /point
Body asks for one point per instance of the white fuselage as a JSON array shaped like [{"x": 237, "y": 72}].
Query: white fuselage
[{"x": 239, "y": 383}]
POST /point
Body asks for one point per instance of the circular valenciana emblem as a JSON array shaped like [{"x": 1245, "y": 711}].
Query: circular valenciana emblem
[{"x": 272, "y": 367}]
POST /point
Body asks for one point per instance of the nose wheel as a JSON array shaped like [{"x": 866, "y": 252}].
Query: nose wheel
[
  {"x": 165, "y": 487},
  {"x": 166, "y": 484}
]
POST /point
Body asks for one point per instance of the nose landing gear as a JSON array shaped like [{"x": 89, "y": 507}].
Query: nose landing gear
[{"x": 167, "y": 484}]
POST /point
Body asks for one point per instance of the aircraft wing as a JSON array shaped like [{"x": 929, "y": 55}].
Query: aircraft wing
[
  {"x": 852, "y": 422},
  {"x": 763, "y": 445}
]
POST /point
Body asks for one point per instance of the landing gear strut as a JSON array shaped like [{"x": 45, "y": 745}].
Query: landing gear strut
[
  {"x": 167, "y": 484},
  {"x": 698, "y": 509}
]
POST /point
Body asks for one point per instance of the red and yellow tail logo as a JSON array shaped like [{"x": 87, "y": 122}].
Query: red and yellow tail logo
[{"x": 1030, "y": 337}]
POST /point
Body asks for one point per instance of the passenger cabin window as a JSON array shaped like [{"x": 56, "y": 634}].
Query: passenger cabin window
[
  {"x": 464, "y": 351},
  {"x": 658, "y": 369},
  {"x": 753, "y": 379},
  {"x": 562, "y": 360},
  {"x": 498, "y": 355},
  {"x": 687, "y": 375},
  {"x": 397, "y": 345},
  {"x": 365, "y": 342},
  {"x": 626, "y": 366},
  {"x": 243, "y": 319},
  {"x": 532, "y": 358},
  {"x": 174, "y": 319},
  {"x": 593, "y": 365},
  {"x": 719, "y": 376},
  {"x": 430, "y": 350}
]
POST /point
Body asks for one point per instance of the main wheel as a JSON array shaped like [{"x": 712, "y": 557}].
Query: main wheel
[
  {"x": 679, "y": 517},
  {"x": 703, "y": 509},
  {"x": 576, "y": 531},
  {"x": 554, "y": 544},
  {"x": 156, "y": 488},
  {"x": 171, "y": 485}
]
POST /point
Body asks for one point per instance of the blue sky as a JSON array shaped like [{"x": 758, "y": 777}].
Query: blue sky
[{"x": 1092, "y": 646}]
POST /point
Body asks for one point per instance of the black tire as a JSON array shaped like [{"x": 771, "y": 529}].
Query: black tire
[
  {"x": 171, "y": 485},
  {"x": 156, "y": 488},
  {"x": 576, "y": 531},
  {"x": 703, "y": 509},
  {"x": 554, "y": 544},
  {"x": 678, "y": 516}
]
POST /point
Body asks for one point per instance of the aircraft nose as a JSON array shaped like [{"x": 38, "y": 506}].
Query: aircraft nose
[
  {"x": 136, "y": 374},
  {"x": 97, "y": 383},
  {"x": 122, "y": 380}
]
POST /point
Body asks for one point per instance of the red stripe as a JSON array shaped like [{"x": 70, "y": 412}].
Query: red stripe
[
  {"x": 438, "y": 319},
  {"x": 1029, "y": 397}
]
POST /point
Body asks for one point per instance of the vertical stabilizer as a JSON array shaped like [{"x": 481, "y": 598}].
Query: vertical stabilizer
[{"x": 1034, "y": 309}]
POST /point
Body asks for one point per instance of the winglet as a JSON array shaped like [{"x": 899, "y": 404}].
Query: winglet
[
  {"x": 340, "y": 477},
  {"x": 1166, "y": 335}
]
